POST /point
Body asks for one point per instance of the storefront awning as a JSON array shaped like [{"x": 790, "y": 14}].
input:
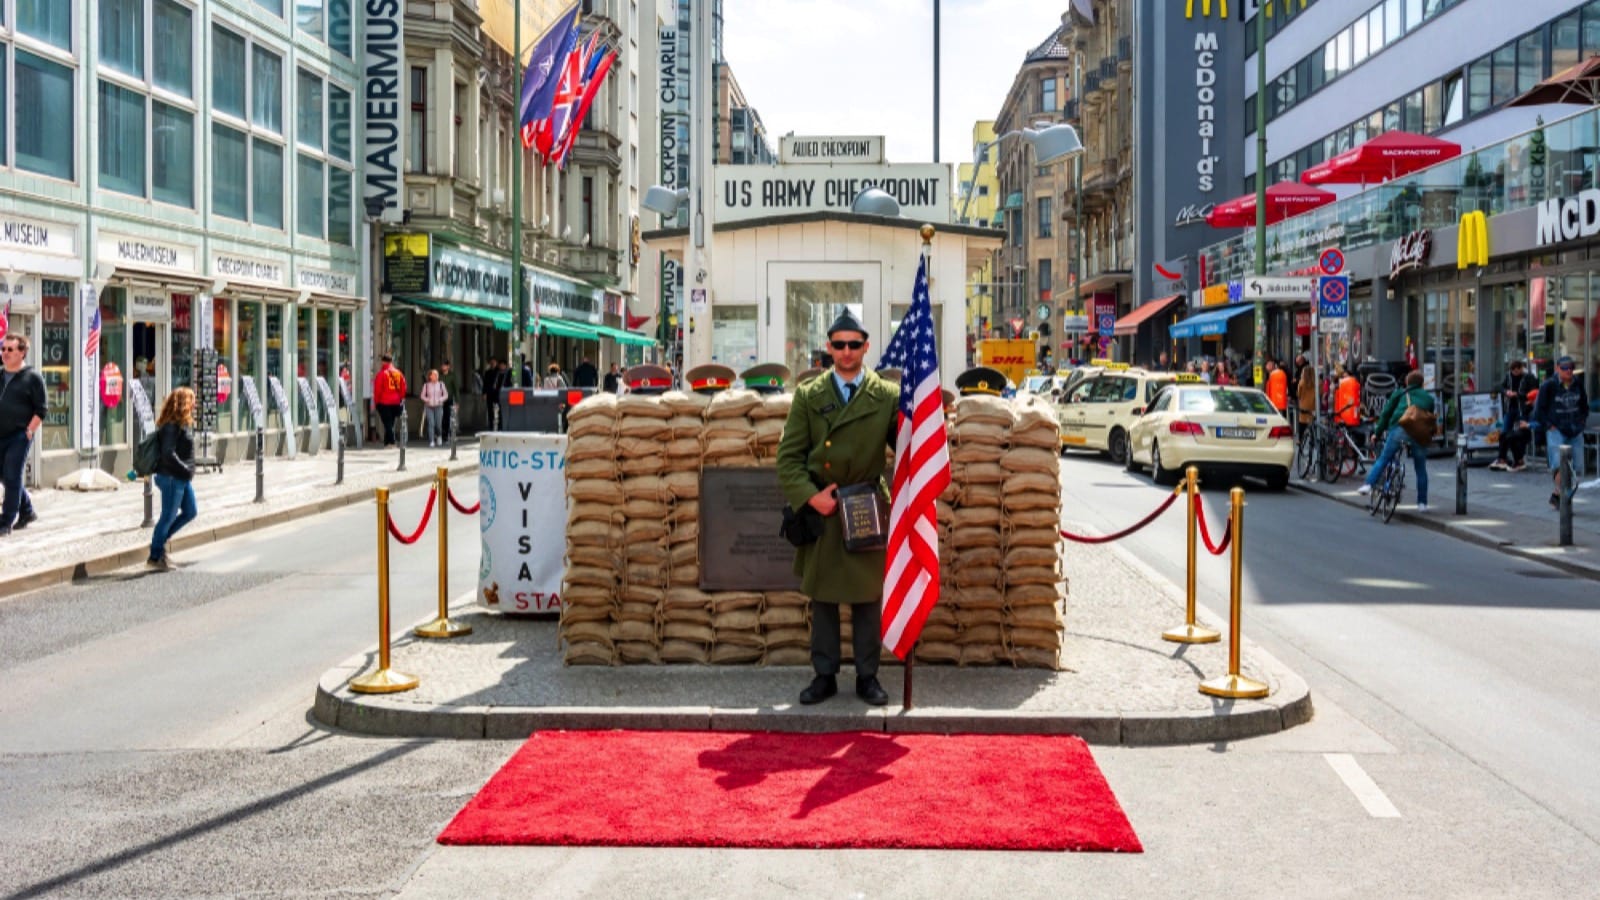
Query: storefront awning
[
  {"x": 1129, "y": 324},
  {"x": 621, "y": 336},
  {"x": 499, "y": 318},
  {"x": 1213, "y": 322},
  {"x": 1284, "y": 199},
  {"x": 565, "y": 328},
  {"x": 1389, "y": 155}
]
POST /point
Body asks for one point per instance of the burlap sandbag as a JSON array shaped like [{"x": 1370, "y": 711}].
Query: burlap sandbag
[
  {"x": 684, "y": 511},
  {"x": 644, "y": 465},
  {"x": 1033, "y": 413},
  {"x": 595, "y": 512},
  {"x": 676, "y": 651},
  {"x": 980, "y": 596},
  {"x": 734, "y": 655},
  {"x": 985, "y": 633},
  {"x": 740, "y": 428},
  {"x": 772, "y": 406},
  {"x": 682, "y": 533},
  {"x": 572, "y": 613},
  {"x": 732, "y": 404},
  {"x": 723, "y": 451},
  {"x": 727, "y": 601},
  {"x": 595, "y": 490},
  {"x": 687, "y": 449},
  {"x": 646, "y": 487},
  {"x": 786, "y": 598},
  {"x": 645, "y": 530},
  {"x": 982, "y": 555},
  {"x": 943, "y": 512},
  {"x": 977, "y": 576},
  {"x": 1033, "y": 658},
  {"x": 684, "y": 575},
  {"x": 987, "y": 517},
  {"x": 644, "y": 509},
  {"x": 963, "y": 539},
  {"x": 747, "y": 619},
  {"x": 944, "y": 634},
  {"x": 1022, "y": 557},
  {"x": 1038, "y": 638},
  {"x": 644, "y": 573},
  {"x": 1031, "y": 459},
  {"x": 644, "y": 427},
  {"x": 595, "y": 406},
  {"x": 1033, "y": 537},
  {"x": 586, "y": 595},
  {"x": 942, "y": 613},
  {"x": 633, "y": 631},
  {"x": 769, "y": 431},
  {"x": 682, "y": 403},
  {"x": 589, "y": 653},
  {"x": 1035, "y": 482},
  {"x": 639, "y": 653},
  {"x": 938, "y": 652},
  {"x": 646, "y": 405},
  {"x": 969, "y": 619},
  {"x": 682, "y": 485},
  {"x": 593, "y": 427},
  {"x": 648, "y": 594},
  {"x": 687, "y": 631},
  {"x": 1041, "y": 438},
  {"x": 986, "y": 434},
  {"x": 594, "y": 446},
  {"x": 967, "y": 454},
  {"x": 951, "y": 493},
  {"x": 688, "y": 615},
  {"x": 786, "y": 656},
  {"x": 680, "y": 554},
  {"x": 635, "y": 447},
  {"x": 1045, "y": 517},
  {"x": 1032, "y": 596},
  {"x": 776, "y": 616},
  {"x": 1019, "y": 500},
  {"x": 594, "y": 534},
  {"x": 1041, "y": 615},
  {"x": 788, "y": 636},
  {"x": 980, "y": 495},
  {"x": 687, "y": 598},
  {"x": 592, "y": 468},
  {"x": 598, "y": 557},
  {"x": 598, "y": 631},
  {"x": 651, "y": 552},
  {"x": 990, "y": 410},
  {"x": 686, "y": 426},
  {"x": 1032, "y": 575},
  {"x": 980, "y": 654},
  {"x": 981, "y": 473}
]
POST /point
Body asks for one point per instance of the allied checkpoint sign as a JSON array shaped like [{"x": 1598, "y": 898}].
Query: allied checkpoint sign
[{"x": 522, "y": 520}]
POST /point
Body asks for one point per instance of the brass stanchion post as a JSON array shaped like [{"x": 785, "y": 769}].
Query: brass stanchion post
[
  {"x": 442, "y": 627},
  {"x": 383, "y": 681},
  {"x": 1189, "y": 632},
  {"x": 1233, "y": 684}
]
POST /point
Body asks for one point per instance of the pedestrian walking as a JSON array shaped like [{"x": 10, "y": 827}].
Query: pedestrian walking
[
  {"x": 1562, "y": 410},
  {"x": 435, "y": 397},
  {"x": 1306, "y": 390},
  {"x": 22, "y": 410},
  {"x": 452, "y": 387},
  {"x": 834, "y": 437},
  {"x": 174, "y": 474},
  {"x": 492, "y": 382},
  {"x": 388, "y": 396},
  {"x": 1277, "y": 386},
  {"x": 586, "y": 375},
  {"x": 1394, "y": 437},
  {"x": 553, "y": 377},
  {"x": 613, "y": 380}
]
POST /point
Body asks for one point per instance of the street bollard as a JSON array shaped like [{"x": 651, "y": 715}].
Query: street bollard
[
  {"x": 405, "y": 429},
  {"x": 1233, "y": 685},
  {"x": 383, "y": 681},
  {"x": 1564, "y": 482},
  {"x": 338, "y": 476},
  {"x": 261, "y": 465},
  {"x": 1189, "y": 632},
  {"x": 149, "y": 503},
  {"x": 442, "y": 627},
  {"x": 1461, "y": 474},
  {"x": 455, "y": 428}
]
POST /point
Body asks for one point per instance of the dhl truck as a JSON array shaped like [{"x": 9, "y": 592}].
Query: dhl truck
[{"x": 1014, "y": 358}]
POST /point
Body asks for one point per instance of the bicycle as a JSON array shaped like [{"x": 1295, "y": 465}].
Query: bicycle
[
  {"x": 1344, "y": 456},
  {"x": 1390, "y": 485}
]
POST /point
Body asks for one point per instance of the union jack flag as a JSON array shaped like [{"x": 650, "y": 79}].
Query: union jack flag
[
  {"x": 91, "y": 340},
  {"x": 921, "y": 473}
]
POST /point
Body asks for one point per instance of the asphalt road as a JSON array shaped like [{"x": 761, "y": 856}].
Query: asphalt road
[{"x": 156, "y": 739}]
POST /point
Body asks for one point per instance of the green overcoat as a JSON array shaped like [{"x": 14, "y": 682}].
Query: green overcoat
[{"x": 825, "y": 441}]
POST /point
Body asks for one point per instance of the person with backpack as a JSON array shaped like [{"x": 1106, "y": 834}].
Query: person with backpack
[
  {"x": 174, "y": 474},
  {"x": 22, "y": 409},
  {"x": 1396, "y": 433},
  {"x": 1562, "y": 409},
  {"x": 553, "y": 377},
  {"x": 388, "y": 396}
]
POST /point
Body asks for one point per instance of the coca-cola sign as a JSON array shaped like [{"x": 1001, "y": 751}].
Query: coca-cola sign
[{"x": 1410, "y": 252}]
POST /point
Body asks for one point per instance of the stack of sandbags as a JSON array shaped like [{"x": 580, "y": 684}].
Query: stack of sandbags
[
  {"x": 591, "y": 596},
  {"x": 999, "y": 538}
]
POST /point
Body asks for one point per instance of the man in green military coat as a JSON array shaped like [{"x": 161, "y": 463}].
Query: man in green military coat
[{"x": 835, "y": 435}]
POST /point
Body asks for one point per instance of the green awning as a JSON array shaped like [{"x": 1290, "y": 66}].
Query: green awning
[
  {"x": 621, "y": 336},
  {"x": 500, "y": 318},
  {"x": 564, "y": 328}
]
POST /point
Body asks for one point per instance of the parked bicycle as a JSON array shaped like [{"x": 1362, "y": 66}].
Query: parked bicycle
[{"x": 1330, "y": 450}]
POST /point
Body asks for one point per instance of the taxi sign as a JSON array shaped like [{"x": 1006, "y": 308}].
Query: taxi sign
[{"x": 1187, "y": 378}]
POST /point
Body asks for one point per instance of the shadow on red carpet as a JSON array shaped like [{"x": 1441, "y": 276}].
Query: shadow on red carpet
[{"x": 766, "y": 790}]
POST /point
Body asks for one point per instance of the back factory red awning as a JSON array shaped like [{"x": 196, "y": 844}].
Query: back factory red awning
[
  {"x": 1129, "y": 324},
  {"x": 1389, "y": 155},
  {"x": 1284, "y": 199}
]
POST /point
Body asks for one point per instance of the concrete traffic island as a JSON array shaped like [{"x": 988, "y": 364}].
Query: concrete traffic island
[{"x": 1119, "y": 682}]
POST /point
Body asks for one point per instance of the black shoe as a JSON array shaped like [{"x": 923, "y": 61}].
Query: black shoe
[
  {"x": 5, "y": 530},
  {"x": 1555, "y": 501},
  {"x": 821, "y": 688},
  {"x": 25, "y": 519},
  {"x": 871, "y": 691}
]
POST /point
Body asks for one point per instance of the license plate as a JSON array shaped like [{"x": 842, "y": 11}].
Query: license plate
[{"x": 1244, "y": 433}]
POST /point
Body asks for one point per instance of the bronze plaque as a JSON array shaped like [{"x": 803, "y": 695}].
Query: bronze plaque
[{"x": 740, "y": 548}]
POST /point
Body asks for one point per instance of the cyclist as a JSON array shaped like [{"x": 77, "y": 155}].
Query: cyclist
[
  {"x": 1562, "y": 408},
  {"x": 1394, "y": 437}
]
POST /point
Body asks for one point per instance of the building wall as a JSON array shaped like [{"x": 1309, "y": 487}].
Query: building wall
[{"x": 1034, "y": 256}]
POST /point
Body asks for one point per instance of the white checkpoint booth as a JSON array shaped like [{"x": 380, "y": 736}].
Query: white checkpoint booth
[{"x": 522, "y": 521}]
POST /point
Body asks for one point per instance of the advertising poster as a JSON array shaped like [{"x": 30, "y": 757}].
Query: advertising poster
[
  {"x": 523, "y": 531},
  {"x": 1480, "y": 420}
]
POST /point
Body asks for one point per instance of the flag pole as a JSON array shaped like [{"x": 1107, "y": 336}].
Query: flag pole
[{"x": 911, "y": 656}]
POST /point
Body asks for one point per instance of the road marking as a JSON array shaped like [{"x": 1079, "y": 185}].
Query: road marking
[{"x": 1361, "y": 784}]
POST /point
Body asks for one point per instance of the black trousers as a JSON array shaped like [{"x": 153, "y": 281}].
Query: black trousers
[
  {"x": 388, "y": 412},
  {"x": 866, "y": 637}
]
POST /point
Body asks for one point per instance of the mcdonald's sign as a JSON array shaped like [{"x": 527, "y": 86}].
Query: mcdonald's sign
[
  {"x": 1205, "y": 8},
  {"x": 1472, "y": 240}
]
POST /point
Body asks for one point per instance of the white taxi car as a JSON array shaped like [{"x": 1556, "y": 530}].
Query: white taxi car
[
  {"x": 1096, "y": 413},
  {"x": 1229, "y": 430}
]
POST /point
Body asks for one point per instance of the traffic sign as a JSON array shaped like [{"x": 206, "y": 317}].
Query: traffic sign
[
  {"x": 1268, "y": 288},
  {"x": 1107, "y": 323},
  {"x": 1333, "y": 297},
  {"x": 1331, "y": 261},
  {"x": 1334, "y": 326}
]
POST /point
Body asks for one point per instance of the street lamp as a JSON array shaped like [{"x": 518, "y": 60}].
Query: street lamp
[
  {"x": 1049, "y": 144},
  {"x": 665, "y": 202},
  {"x": 875, "y": 202}
]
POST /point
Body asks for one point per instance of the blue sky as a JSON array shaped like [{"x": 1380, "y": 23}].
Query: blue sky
[{"x": 839, "y": 67}]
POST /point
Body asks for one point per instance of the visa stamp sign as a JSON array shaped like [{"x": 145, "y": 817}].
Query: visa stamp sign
[{"x": 524, "y": 537}]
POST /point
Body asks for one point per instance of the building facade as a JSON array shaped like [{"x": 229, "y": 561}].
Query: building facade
[
  {"x": 975, "y": 203},
  {"x": 179, "y": 176}
]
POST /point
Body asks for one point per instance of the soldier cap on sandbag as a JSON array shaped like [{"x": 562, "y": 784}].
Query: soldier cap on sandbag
[
  {"x": 980, "y": 380},
  {"x": 767, "y": 378},
  {"x": 847, "y": 322},
  {"x": 647, "y": 379},
  {"x": 709, "y": 378}
]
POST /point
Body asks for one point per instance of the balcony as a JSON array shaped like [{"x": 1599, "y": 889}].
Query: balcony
[
  {"x": 1125, "y": 51},
  {"x": 1091, "y": 84},
  {"x": 1108, "y": 68},
  {"x": 1069, "y": 110}
]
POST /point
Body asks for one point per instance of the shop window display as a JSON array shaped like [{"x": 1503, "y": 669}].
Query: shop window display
[
  {"x": 55, "y": 363},
  {"x": 250, "y": 359},
  {"x": 222, "y": 340},
  {"x": 113, "y": 367}
]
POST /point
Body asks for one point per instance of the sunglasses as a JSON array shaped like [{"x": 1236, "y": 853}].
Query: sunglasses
[
  {"x": 1566, "y": 368},
  {"x": 853, "y": 345}
]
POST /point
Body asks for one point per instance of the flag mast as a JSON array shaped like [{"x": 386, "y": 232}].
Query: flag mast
[{"x": 519, "y": 315}]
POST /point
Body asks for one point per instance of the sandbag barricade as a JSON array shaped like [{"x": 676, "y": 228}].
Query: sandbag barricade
[{"x": 631, "y": 593}]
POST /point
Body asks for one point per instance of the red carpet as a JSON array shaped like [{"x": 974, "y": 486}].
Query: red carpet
[{"x": 848, "y": 789}]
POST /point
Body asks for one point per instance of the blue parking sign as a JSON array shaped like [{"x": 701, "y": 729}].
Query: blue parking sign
[{"x": 1333, "y": 297}]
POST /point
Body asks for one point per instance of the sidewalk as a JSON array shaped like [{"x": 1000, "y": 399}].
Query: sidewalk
[
  {"x": 79, "y": 534},
  {"x": 1507, "y": 511}
]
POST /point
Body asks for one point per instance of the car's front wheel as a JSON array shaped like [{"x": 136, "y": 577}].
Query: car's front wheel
[{"x": 1158, "y": 473}]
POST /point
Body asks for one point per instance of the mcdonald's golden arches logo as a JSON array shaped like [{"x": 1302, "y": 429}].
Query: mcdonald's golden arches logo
[
  {"x": 1205, "y": 8},
  {"x": 1472, "y": 240}
]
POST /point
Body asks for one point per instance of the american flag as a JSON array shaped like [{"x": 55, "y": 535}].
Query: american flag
[
  {"x": 91, "y": 341},
  {"x": 921, "y": 473}
]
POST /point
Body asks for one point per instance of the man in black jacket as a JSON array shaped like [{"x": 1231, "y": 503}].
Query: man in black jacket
[
  {"x": 492, "y": 377},
  {"x": 1563, "y": 410},
  {"x": 22, "y": 409},
  {"x": 1516, "y": 409}
]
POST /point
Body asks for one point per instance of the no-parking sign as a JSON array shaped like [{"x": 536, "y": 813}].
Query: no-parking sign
[
  {"x": 1331, "y": 261},
  {"x": 1333, "y": 297}
]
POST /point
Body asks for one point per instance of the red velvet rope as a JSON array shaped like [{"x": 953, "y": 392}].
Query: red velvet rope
[
  {"x": 427, "y": 513},
  {"x": 1205, "y": 533},
  {"x": 1171, "y": 498},
  {"x": 457, "y": 503}
]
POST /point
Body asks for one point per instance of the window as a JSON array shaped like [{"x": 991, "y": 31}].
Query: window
[
  {"x": 266, "y": 89},
  {"x": 1392, "y": 27},
  {"x": 122, "y": 36},
  {"x": 586, "y": 215},
  {"x": 44, "y": 114},
  {"x": 308, "y": 17},
  {"x": 1591, "y": 29},
  {"x": 308, "y": 196},
  {"x": 1432, "y": 107},
  {"x": 171, "y": 54},
  {"x": 308, "y": 109},
  {"x": 1504, "y": 83},
  {"x": 247, "y": 130},
  {"x": 1358, "y": 34},
  {"x": 1047, "y": 94},
  {"x": 273, "y": 6},
  {"x": 266, "y": 183},
  {"x": 1479, "y": 77},
  {"x": 323, "y": 177},
  {"x": 48, "y": 20},
  {"x": 1044, "y": 279},
  {"x": 340, "y": 26},
  {"x": 1454, "y": 100},
  {"x": 1411, "y": 116},
  {"x": 983, "y": 190},
  {"x": 417, "y": 125},
  {"x": 459, "y": 164},
  {"x": 1046, "y": 217},
  {"x": 1530, "y": 60},
  {"x": 146, "y": 120},
  {"x": 1564, "y": 42}
]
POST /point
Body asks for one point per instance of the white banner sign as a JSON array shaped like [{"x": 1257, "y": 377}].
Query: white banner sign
[
  {"x": 144, "y": 253},
  {"x": 89, "y": 386},
  {"x": 236, "y": 267},
  {"x": 753, "y": 192},
  {"x": 33, "y": 236},
  {"x": 22, "y": 291},
  {"x": 281, "y": 401},
  {"x": 798, "y": 149},
  {"x": 149, "y": 306},
  {"x": 523, "y": 532},
  {"x": 383, "y": 58}
]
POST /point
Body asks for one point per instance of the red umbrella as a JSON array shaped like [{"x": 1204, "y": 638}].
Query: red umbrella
[
  {"x": 1389, "y": 155},
  {"x": 1284, "y": 199},
  {"x": 1579, "y": 84}
]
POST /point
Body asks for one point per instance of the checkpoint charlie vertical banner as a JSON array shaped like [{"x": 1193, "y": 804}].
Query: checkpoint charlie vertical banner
[
  {"x": 383, "y": 121},
  {"x": 89, "y": 380},
  {"x": 523, "y": 532}
]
